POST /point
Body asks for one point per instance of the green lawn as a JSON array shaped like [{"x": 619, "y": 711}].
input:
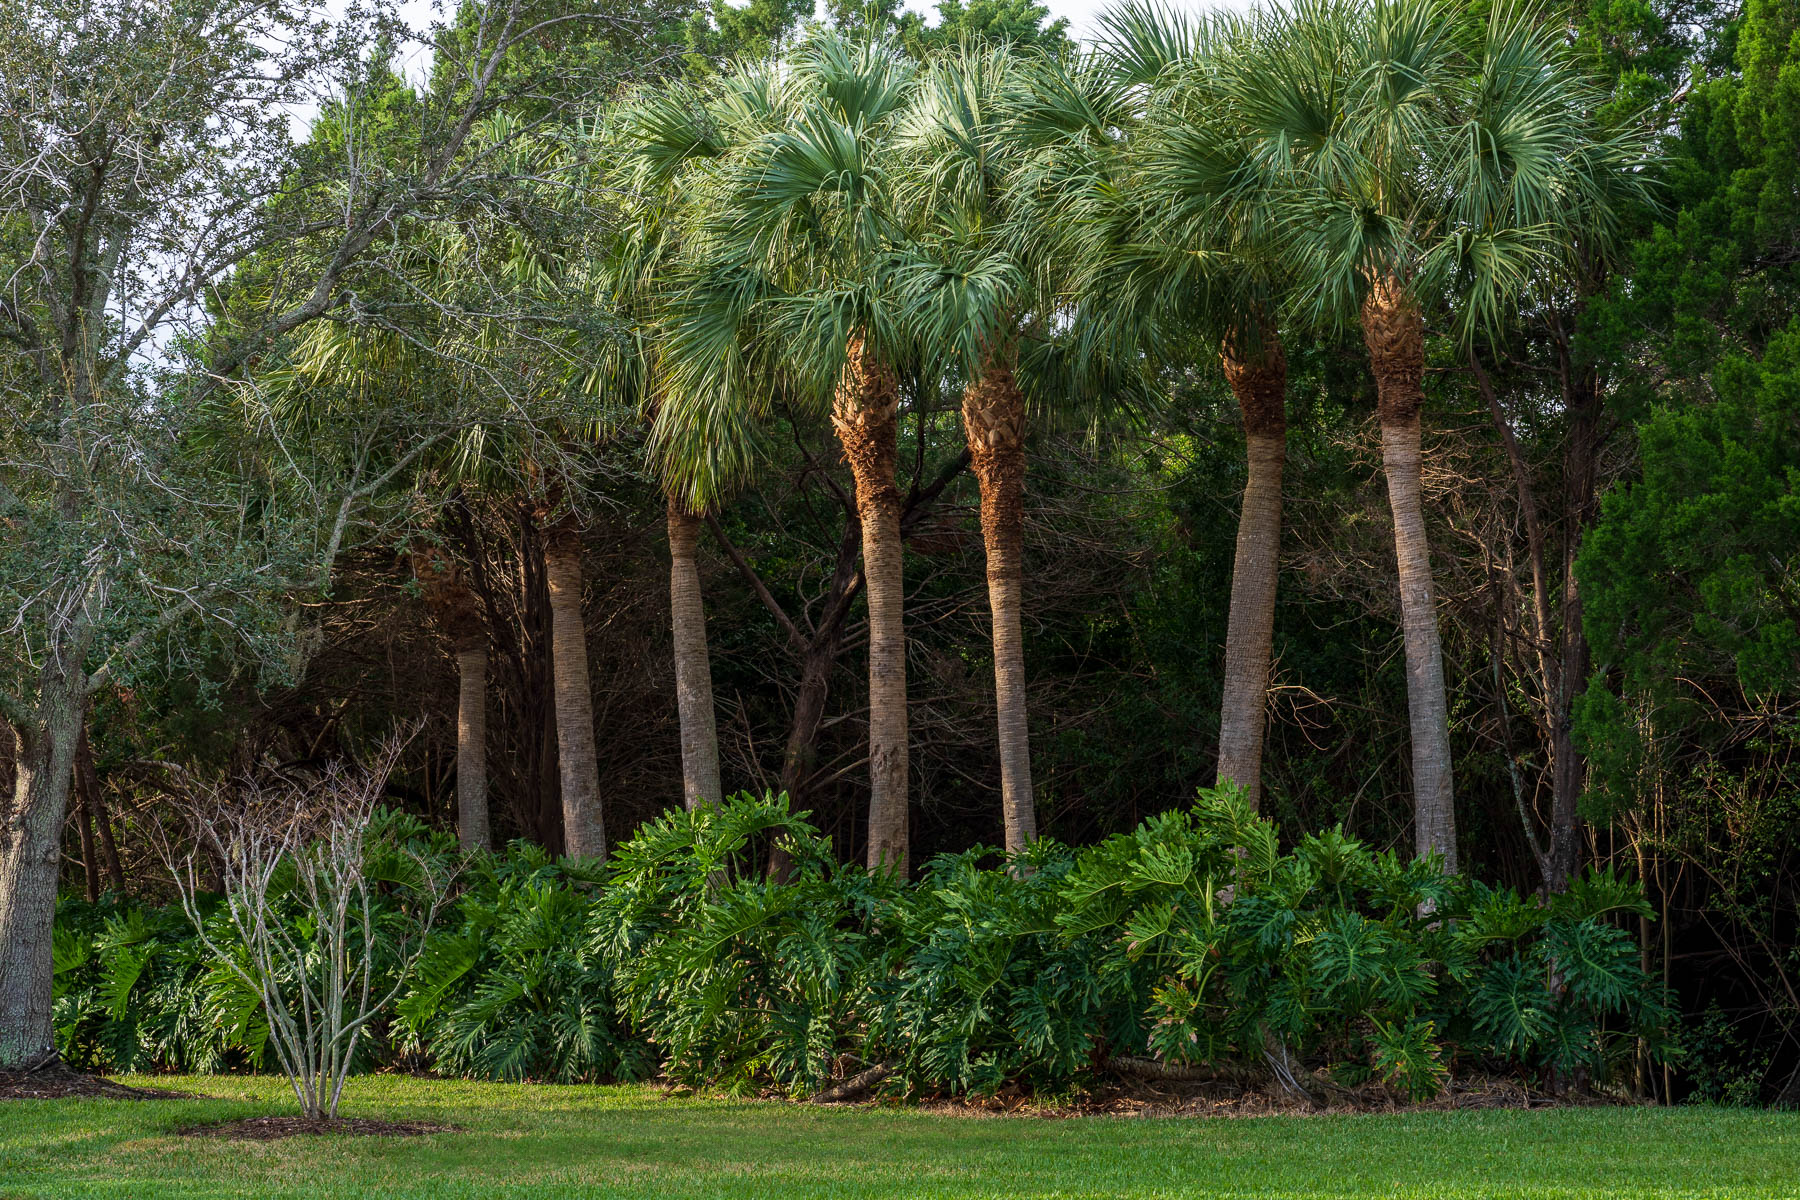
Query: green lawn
[{"x": 627, "y": 1142}]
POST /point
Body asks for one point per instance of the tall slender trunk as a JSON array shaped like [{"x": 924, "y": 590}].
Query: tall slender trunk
[
  {"x": 693, "y": 663},
  {"x": 818, "y": 656},
  {"x": 96, "y": 827},
  {"x": 864, "y": 414},
  {"x": 1256, "y": 368},
  {"x": 103, "y": 829},
  {"x": 30, "y": 855},
  {"x": 471, "y": 748},
  {"x": 1581, "y": 391},
  {"x": 810, "y": 694},
  {"x": 1394, "y": 332},
  {"x": 90, "y": 856},
  {"x": 1562, "y": 674},
  {"x": 994, "y": 424},
  {"x": 584, "y": 833},
  {"x": 457, "y": 609},
  {"x": 542, "y": 803}
]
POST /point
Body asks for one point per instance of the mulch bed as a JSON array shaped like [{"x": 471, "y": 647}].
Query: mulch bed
[
  {"x": 269, "y": 1129},
  {"x": 58, "y": 1082}
]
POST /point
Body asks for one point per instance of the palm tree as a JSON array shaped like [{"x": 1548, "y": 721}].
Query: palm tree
[
  {"x": 785, "y": 289},
  {"x": 1202, "y": 255},
  {"x": 1427, "y": 158},
  {"x": 968, "y": 296},
  {"x": 994, "y": 140},
  {"x": 665, "y": 138},
  {"x": 570, "y": 390}
]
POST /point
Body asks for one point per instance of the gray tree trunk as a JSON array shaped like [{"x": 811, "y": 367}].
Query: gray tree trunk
[
  {"x": 30, "y": 853},
  {"x": 1582, "y": 397},
  {"x": 1394, "y": 332},
  {"x": 471, "y": 749},
  {"x": 693, "y": 663},
  {"x": 584, "y": 832},
  {"x": 1259, "y": 379}
]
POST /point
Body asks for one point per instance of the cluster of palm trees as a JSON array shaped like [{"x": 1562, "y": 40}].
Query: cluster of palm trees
[{"x": 1044, "y": 231}]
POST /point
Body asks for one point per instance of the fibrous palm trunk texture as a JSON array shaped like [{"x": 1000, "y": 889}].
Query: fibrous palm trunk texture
[
  {"x": 1394, "y": 332},
  {"x": 994, "y": 424},
  {"x": 584, "y": 832},
  {"x": 693, "y": 663},
  {"x": 864, "y": 414},
  {"x": 1256, "y": 369}
]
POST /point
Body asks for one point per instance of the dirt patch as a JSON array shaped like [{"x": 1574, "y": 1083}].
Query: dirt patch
[
  {"x": 269, "y": 1129},
  {"x": 60, "y": 1083}
]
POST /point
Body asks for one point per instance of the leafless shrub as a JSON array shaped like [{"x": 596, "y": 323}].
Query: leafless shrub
[{"x": 292, "y": 859}]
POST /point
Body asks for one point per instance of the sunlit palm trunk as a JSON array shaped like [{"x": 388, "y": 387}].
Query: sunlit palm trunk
[
  {"x": 693, "y": 664},
  {"x": 471, "y": 748},
  {"x": 994, "y": 423},
  {"x": 1394, "y": 332},
  {"x": 864, "y": 414},
  {"x": 584, "y": 833},
  {"x": 1258, "y": 377}
]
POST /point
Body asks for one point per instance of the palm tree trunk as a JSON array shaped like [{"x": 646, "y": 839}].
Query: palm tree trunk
[
  {"x": 457, "y": 610},
  {"x": 1394, "y": 332},
  {"x": 471, "y": 748},
  {"x": 584, "y": 832},
  {"x": 693, "y": 666},
  {"x": 994, "y": 424},
  {"x": 1258, "y": 377},
  {"x": 864, "y": 414}
]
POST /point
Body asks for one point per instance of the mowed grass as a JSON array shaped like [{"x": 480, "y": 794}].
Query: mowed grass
[{"x": 531, "y": 1141}]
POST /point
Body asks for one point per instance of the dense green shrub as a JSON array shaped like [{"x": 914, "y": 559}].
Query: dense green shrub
[
  {"x": 1371, "y": 963},
  {"x": 990, "y": 990},
  {"x": 734, "y": 979},
  {"x": 136, "y": 991},
  {"x": 519, "y": 987},
  {"x": 1191, "y": 939}
]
